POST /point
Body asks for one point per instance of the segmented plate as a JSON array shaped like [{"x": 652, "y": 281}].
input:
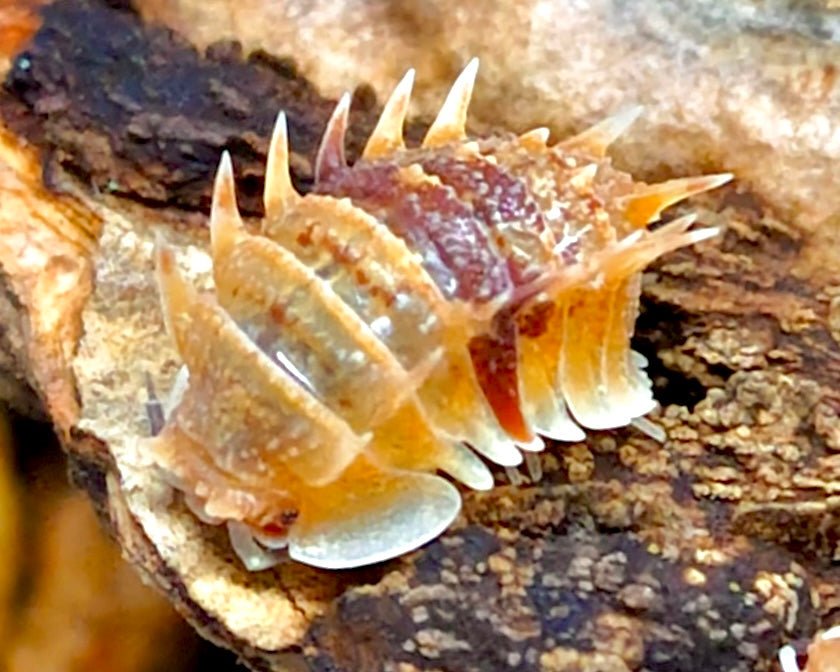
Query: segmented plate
[{"x": 423, "y": 310}]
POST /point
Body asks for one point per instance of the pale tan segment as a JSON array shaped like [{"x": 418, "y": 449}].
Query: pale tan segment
[
  {"x": 450, "y": 124},
  {"x": 601, "y": 381},
  {"x": 455, "y": 403},
  {"x": 375, "y": 274},
  {"x": 406, "y": 441},
  {"x": 387, "y": 136},
  {"x": 592, "y": 342},
  {"x": 365, "y": 516},
  {"x": 299, "y": 322},
  {"x": 251, "y": 417},
  {"x": 627, "y": 383},
  {"x": 370, "y": 269},
  {"x": 368, "y": 516},
  {"x": 542, "y": 403},
  {"x": 296, "y": 318}
]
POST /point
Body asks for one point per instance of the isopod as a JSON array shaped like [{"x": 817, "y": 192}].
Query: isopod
[{"x": 425, "y": 310}]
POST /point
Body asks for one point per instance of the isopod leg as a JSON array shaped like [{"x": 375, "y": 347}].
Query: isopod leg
[
  {"x": 157, "y": 411},
  {"x": 154, "y": 408},
  {"x": 533, "y": 461},
  {"x": 254, "y": 556}
]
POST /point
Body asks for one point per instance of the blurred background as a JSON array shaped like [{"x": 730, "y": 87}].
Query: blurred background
[{"x": 68, "y": 602}]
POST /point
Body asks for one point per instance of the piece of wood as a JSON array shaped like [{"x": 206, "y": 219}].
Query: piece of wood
[
  {"x": 707, "y": 552},
  {"x": 153, "y": 128}
]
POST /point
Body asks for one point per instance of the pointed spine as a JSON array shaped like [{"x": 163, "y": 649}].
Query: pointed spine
[
  {"x": 331, "y": 159},
  {"x": 279, "y": 191},
  {"x": 225, "y": 220},
  {"x": 597, "y": 139},
  {"x": 536, "y": 138},
  {"x": 646, "y": 204},
  {"x": 387, "y": 137},
  {"x": 450, "y": 124}
]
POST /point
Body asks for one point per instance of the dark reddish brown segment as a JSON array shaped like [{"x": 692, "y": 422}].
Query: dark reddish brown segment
[
  {"x": 504, "y": 205},
  {"x": 494, "y": 358},
  {"x": 446, "y": 231},
  {"x": 448, "y": 224}
]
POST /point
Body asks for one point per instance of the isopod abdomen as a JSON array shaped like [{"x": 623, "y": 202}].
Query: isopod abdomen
[{"x": 424, "y": 310}]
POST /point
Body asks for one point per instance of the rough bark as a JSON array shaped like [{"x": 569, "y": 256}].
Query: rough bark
[
  {"x": 706, "y": 552},
  {"x": 138, "y": 112}
]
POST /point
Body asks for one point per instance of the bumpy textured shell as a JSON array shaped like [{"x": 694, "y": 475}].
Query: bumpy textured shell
[{"x": 419, "y": 311}]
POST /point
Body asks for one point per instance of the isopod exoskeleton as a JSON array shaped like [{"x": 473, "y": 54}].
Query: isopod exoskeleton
[{"x": 420, "y": 310}]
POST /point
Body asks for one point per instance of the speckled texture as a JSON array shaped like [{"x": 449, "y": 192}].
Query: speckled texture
[
  {"x": 490, "y": 601},
  {"x": 705, "y": 553}
]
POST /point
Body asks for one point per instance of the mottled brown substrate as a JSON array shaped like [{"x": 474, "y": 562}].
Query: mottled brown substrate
[
  {"x": 705, "y": 553},
  {"x": 137, "y": 111},
  {"x": 571, "y": 599}
]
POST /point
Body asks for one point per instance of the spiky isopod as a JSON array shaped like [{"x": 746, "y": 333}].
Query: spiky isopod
[{"x": 421, "y": 308}]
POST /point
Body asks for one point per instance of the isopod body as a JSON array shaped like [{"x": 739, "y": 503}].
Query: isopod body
[{"x": 424, "y": 310}]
